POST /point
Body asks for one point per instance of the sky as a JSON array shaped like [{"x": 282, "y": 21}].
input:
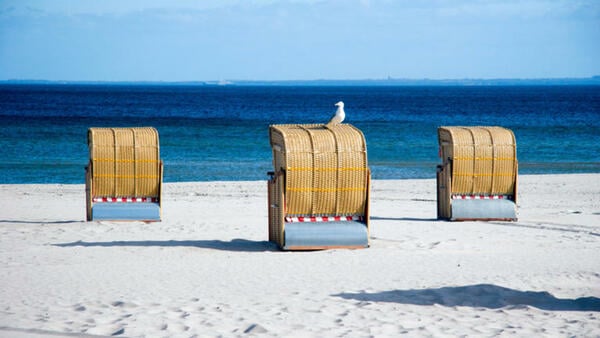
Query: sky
[{"x": 218, "y": 40}]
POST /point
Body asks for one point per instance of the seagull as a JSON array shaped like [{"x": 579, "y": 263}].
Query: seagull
[{"x": 339, "y": 116}]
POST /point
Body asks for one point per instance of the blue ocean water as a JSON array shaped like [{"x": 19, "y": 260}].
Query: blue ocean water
[{"x": 221, "y": 132}]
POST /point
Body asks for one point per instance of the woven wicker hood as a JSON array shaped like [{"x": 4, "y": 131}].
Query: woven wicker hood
[{"x": 326, "y": 168}]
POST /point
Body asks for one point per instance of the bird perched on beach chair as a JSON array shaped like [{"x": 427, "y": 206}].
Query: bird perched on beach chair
[{"x": 339, "y": 116}]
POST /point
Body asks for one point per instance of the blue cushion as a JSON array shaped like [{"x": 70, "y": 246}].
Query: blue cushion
[
  {"x": 483, "y": 209},
  {"x": 315, "y": 235},
  {"x": 126, "y": 211}
]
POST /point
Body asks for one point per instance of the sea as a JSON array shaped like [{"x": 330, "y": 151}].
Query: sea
[{"x": 221, "y": 133}]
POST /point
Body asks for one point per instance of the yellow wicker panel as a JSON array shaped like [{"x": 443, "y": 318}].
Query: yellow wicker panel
[
  {"x": 326, "y": 168},
  {"x": 484, "y": 159},
  {"x": 324, "y": 174},
  {"x": 298, "y": 155},
  {"x": 125, "y": 162},
  {"x": 352, "y": 174}
]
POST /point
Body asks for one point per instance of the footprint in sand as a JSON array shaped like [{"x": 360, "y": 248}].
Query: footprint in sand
[
  {"x": 255, "y": 329},
  {"x": 434, "y": 244},
  {"x": 106, "y": 330},
  {"x": 123, "y": 304},
  {"x": 79, "y": 308}
]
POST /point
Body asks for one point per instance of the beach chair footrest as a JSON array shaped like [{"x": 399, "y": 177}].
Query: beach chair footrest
[
  {"x": 126, "y": 211},
  {"x": 325, "y": 235},
  {"x": 483, "y": 209}
]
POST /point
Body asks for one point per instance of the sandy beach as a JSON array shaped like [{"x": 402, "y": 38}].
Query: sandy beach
[{"x": 208, "y": 270}]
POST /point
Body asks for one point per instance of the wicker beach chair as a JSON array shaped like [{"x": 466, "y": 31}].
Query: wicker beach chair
[
  {"x": 124, "y": 174},
  {"x": 319, "y": 189},
  {"x": 477, "y": 179}
]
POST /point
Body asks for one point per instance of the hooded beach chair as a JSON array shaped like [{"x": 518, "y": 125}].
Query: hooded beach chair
[
  {"x": 477, "y": 179},
  {"x": 319, "y": 189},
  {"x": 124, "y": 174}
]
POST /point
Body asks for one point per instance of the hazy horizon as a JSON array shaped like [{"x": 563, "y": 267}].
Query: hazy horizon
[{"x": 464, "y": 81}]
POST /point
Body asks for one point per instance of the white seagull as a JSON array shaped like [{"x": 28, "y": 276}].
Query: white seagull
[{"x": 339, "y": 116}]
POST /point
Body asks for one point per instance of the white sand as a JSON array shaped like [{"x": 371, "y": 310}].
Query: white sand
[{"x": 208, "y": 270}]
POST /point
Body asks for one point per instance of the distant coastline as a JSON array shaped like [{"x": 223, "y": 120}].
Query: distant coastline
[{"x": 595, "y": 80}]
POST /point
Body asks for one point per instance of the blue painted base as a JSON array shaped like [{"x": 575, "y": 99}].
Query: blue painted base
[
  {"x": 299, "y": 236},
  {"x": 126, "y": 212},
  {"x": 483, "y": 209}
]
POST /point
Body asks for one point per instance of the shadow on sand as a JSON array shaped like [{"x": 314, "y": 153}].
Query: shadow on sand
[
  {"x": 38, "y": 222},
  {"x": 481, "y": 296},
  {"x": 237, "y": 244}
]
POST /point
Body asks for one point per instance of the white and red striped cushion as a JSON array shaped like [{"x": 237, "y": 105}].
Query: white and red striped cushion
[
  {"x": 125, "y": 200},
  {"x": 481, "y": 197},
  {"x": 323, "y": 219}
]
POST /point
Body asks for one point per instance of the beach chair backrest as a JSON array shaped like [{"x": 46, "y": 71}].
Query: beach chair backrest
[
  {"x": 483, "y": 159},
  {"x": 125, "y": 162},
  {"x": 326, "y": 169}
]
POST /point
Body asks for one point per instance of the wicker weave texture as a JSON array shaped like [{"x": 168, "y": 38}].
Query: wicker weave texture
[
  {"x": 125, "y": 162},
  {"x": 276, "y": 221},
  {"x": 484, "y": 159},
  {"x": 326, "y": 168}
]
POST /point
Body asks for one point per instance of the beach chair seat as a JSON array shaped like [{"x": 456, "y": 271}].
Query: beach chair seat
[
  {"x": 124, "y": 175},
  {"x": 477, "y": 179},
  {"x": 319, "y": 190}
]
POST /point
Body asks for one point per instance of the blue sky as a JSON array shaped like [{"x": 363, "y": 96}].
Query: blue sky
[{"x": 183, "y": 40}]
